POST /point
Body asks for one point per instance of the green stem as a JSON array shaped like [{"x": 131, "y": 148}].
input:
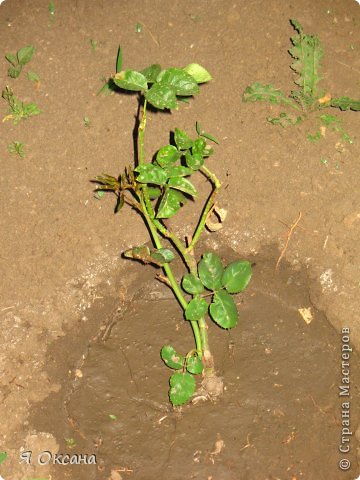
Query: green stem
[
  {"x": 153, "y": 224},
  {"x": 209, "y": 205}
]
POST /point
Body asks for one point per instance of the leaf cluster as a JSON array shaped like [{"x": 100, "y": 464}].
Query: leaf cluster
[
  {"x": 222, "y": 283},
  {"x": 19, "y": 59},
  {"x": 18, "y": 110},
  {"x": 167, "y": 177}
]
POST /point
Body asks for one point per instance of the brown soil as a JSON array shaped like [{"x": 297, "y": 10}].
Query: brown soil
[{"x": 62, "y": 277}]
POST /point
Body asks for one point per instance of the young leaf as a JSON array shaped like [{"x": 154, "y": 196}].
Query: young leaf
[
  {"x": 183, "y": 83},
  {"x": 307, "y": 52},
  {"x": 3, "y": 457},
  {"x": 223, "y": 310},
  {"x": 182, "y": 386},
  {"x": 194, "y": 161},
  {"x": 198, "y": 146},
  {"x": 284, "y": 120},
  {"x": 170, "y": 203},
  {"x": 10, "y": 57},
  {"x": 183, "y": 185},
  {"x": 14, "y": 72},
  {"x": 196, "y": 309},
  {"x": 167, "y": 155},
  {"x": 154, "y": 192},
  {"x": 199, "y": 73},
  {"x": 204, "y": 134},
  {"x": 131, "y": 80},
  {"x": 151, "y": 72},
  {"x": 25, "y": 54},
  {"x": 236, "y": 276},
  {"x": 161, "y": 96},
  {"x": 119, "y": 60},
  {"x": 171, "y": 358},
  {"x": 260, "y": 92},
  {"x": 33, "y": 77},
  {"x": 182, "y": 140},
  {"x": 345, "y": 103},
  {"x": 210, "y": 271},
  {"x": 194, "y": 365},
  {"x": 162, "y": 255},
  {"x": 192, "y": 284},
  {"x": 178, "y": 171},
  {"x": 150, "y": 173}
]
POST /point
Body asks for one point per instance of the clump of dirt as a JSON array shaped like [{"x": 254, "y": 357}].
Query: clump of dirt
[{"x": 279, "y": 416}]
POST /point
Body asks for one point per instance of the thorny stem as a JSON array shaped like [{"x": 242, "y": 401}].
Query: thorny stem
[{"x": 149, "y": 215}]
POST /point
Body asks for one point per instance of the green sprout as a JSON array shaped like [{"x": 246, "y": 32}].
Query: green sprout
[
  {"x": 17, "y": 148},
  {"x": 157, "y": 189},
  {"x": 93, "y": 45},
  {"x": 19, "y": 59}
]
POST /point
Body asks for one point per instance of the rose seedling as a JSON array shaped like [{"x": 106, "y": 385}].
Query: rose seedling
[{"x": 158, "y": 189}]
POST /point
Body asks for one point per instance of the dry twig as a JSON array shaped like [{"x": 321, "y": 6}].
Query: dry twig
[{"x": 291, "y": 230}]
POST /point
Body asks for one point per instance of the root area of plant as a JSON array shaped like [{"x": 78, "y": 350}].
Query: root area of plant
[{"x": 278, "y": 416}]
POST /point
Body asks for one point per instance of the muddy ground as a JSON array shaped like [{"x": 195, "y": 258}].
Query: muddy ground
[{"x": 63, "y": 279}]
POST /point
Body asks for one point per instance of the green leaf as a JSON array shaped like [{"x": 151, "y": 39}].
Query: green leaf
[
  {"x": 196, "y": 309},
  {"x": 33, "y": 77},
  {"x": 170, "y": 203},
  {"x": 204, "y": 134},
  {"x": 236, "y": 276},
  {"x": 162, "y": 255},
  {"x": 199, "y": 73},
  {"x": 10, "y": 57},
  {"x": 151, "y": 72},
  {"x": 194, "y": 161},
  {"x": 194, "y": 365},
  {"x": 167, "y": 155},
  {"x": 183, "y": 83},
  {"x": 183, "y": 184},
  {"x": 119, "y": 60},
  {"x": 307, "y": 52},
  {"x": 345, "y": 103},
  {"x": 178, "y": 171},
  {"x": 182, "y": 140},
  {"x": 199, "y": 146},
  {"x": 182, "y": 386},
  {"x": 25, "y": 54},
  {"x": 154, "y": 192},
  {"x": 14, "y": 72},
  {"x": 150, "y": 173},
  {"x": 284, "y": 120},
  {"x": 210, "y": 271},
  {"x": 192, "y": 284},
  {"x": 268, "y": 93},
  {"x": 3, "y": 457},
  {"x": 223, "y": 310},
  {"x": 171, "y": 358},
  {"x": 131, "y": 80},
  {"x": 161, "y": 96}
]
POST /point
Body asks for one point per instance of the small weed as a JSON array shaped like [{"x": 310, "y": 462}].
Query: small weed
[
  {"x": 112, "y": 417},
  {"x": 33, "y": 77},
  {"x": 93, "y": 45},
  {"x": 70, "y": 442},
  {"x": 51, "y": 8},
  {"x": 17, "y": 148},
  {"x": 87, "y": 122},
  {"x": 18, "y": 60},
  {"x": 18, "y": 109},
  {"x": 138, "y": 28},
  {"x": 307, "y": 53},
  {"x": 157, "y": 189}
]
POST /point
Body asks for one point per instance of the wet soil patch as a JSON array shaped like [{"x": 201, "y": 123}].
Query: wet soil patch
[{"x": 279, "y": 417}]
